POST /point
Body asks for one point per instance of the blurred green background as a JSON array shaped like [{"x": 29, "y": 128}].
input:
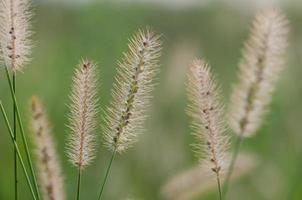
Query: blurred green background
[{"x": 100, "y": 31}]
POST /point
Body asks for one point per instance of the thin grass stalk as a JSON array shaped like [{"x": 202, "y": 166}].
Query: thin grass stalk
[
  {"x": 17, "y": 150},
  {"x": 24, "y": 140},
  {"x": 219, "y": 187},
  {"x": 79, "y": 183},
  {"x": 107, "y": 173},
  {"x": 238, "y": 142},
  {"x": 15, "y": 138}
]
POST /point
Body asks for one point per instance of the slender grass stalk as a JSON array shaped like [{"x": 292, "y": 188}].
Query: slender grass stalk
[
  {"x": 107, "y": 173},
  {"x": 15, "y": 138},
  {"x": 219, "y": 187},
  {"x": 24, "y": 140},
  {"x": 238, "y": 142},
  {"x": 17, "y": 150},
  {"x": 79, "y": 184}
]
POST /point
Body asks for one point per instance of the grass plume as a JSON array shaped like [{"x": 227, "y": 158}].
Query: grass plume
[
  {"x": 50, "y": 177},
  {"x": 262, "y": 62},
  {"x": 207, "y": 116},
  {"x": 131, "y": 93},
  {"x": 260, "y": 67},
  {"x": 82, "y": 118},
  {"x": 15, "y": 33},
  {"x": 81, "y": 145}
]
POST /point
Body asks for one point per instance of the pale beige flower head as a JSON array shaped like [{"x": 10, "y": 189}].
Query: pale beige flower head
[
  {"x": 207, "y": 115},
  {"x": 47, "y": 162},
  {"x": 262, "y": 62},
  {"x": 81, "y": 145},
  {"x": 15, "y": 33},
  {"x": 131, "y": 93}
]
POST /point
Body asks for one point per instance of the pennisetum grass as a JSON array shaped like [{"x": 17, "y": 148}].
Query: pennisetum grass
[
  {"x": 15, "y": 31},
  {"x": 207, "y": 113},
  {"x": 50, "y": 177},
  {"x": 263, "y": 58},
  {"x": 82, "y": 119},
  {"x": 131, "y": 94}
]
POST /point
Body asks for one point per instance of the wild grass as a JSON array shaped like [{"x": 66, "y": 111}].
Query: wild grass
[{"x": 124, "y": 118}]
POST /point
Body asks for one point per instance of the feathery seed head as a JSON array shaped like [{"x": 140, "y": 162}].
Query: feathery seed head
[
  {"x": 15, "y": 33},
  {"x": 263, "y": 58},
  {"x": 131, "y": 91},
  {"x": 206, "y": 112},
  {"x": 49, "y": 171},
  {"x": 82, "y": 118}
]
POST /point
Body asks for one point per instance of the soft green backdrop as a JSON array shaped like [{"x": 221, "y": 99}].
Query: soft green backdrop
[{"x": 100, "y": 32}]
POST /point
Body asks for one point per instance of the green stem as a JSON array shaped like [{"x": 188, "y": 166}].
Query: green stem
[
  {"x": 79, "y": 183},
  {"x": 231, "y": 167},
  {"x": 219, "y": 187},
  {"x": 28, "y": 157},
  {"x": 17, "y": 150},
  {"x": 107, "y": 173},
  {"x": 15, "y": 138}
]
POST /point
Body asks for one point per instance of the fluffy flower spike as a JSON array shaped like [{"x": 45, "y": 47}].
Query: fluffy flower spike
[
  {"x": 263, "y": 58},
  {"x": 15, "y": 33},
  {"x": 131, "y": 92},
  {"x": 49, "y": 170},
  {"x": 207, "y": 116},
  {"x": 82, "y": 119}
]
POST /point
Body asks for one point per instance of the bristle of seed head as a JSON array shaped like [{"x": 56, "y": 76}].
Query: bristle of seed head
[
  {"x": 15, "y": 33},
  {"x": 81, "y": 145},
  {"x": 131, "y": 93},
  {"x": 49, "y": 170},
  {"x": 263, "y": 58},
  {"x": 207, "y": 116}
]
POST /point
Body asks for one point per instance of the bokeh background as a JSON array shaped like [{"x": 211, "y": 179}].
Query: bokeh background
[{"x": 66, "y": 31}]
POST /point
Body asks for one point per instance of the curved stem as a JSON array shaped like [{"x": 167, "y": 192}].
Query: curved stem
[
  {"x": 24, "y": 140},
  {"x": 79, "y": 184},
  {"x": 17, "y": 150},
  {"x": 15, "y": 138},
  {"x": 107, "y": 173},
  {"x": 232, "y": 164}
]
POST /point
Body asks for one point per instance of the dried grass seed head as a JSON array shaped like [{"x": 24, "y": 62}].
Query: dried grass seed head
[
  {"x": 131, "y": 91},
  {"x": 262, "y": 62},
  {"x": 15, "y": 33},
  {"x": 81, "y": 145},
  {"x": 207, "y": 116},
  {"x": 47, "y": 162}
]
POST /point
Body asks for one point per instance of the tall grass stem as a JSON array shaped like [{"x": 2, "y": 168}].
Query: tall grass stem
[
  {"x": 24, "y": 140},
  {"x": 219, "y": 187},
  {"x": 107, "y": 174},
  {"x": 232, "y": 164},
  {"x": 79, "y": 184},
  {"x": 17, "y": 150},
  {"x": 15, "y": 138}
]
